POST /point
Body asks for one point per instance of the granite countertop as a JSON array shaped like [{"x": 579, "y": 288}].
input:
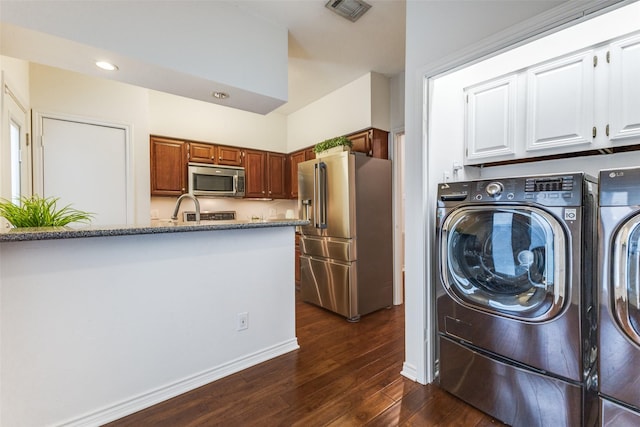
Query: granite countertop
[{"x": 156, "y": 227}]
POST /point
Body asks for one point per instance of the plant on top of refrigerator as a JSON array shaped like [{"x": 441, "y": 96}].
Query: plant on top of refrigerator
[{"x": 332, "y": 142}]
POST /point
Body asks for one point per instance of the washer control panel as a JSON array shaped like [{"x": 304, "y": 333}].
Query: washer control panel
[{"x": 549, "y": 190}]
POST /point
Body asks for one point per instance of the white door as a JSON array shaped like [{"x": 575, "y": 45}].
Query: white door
[
  {"x": 560, "y": 106},
  {"x": 490, "y": 120},
  {"x": 85, "y": 165},
  {"x": 624, "y": 103},
  {"x": 15, "y": 167}
]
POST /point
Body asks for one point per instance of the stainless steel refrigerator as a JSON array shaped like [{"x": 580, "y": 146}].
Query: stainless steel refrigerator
[{"x": 346, "y": 261}]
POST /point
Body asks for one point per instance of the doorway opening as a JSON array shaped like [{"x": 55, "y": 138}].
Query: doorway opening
[{"x": 397, "y": 150}]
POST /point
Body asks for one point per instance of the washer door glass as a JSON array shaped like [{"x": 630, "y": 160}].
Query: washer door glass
[
  {"x": 626, "y": 279},
  {"x": 506, "y": 261}
]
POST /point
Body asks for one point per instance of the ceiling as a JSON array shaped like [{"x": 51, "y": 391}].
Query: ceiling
[{"x": 327, "y": 51}]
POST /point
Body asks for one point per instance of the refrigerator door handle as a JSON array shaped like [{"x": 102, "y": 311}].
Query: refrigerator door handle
[{"x": 321, "y": 180}]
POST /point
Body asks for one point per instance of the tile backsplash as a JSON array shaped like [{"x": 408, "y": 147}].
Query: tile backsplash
[{"x": 162, "y": 207}]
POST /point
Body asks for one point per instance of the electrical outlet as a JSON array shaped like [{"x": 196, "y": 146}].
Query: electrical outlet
[{"x": 243, "y": 321}]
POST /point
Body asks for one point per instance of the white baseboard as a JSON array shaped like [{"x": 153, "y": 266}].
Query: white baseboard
[
  {"x": 153, "y": 397},
  {"x": 409, "y": 371}
]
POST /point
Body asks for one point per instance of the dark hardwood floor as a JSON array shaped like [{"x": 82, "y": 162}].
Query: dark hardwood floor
[{"x": 344, "y": 374}]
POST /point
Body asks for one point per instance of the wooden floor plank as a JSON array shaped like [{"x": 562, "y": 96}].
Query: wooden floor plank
[{"x": 344, "y": 374}]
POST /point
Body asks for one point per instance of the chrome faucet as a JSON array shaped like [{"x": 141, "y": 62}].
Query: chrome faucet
[{"x": 195, "y": 202}]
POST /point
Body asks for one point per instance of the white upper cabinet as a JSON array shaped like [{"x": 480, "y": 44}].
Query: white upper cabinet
[
  {"x": 560, "y": 103},
  {"x": 587, "y": 100},
  {"x": 490, "y": 111},
  {"x": 624, "y": 92}
]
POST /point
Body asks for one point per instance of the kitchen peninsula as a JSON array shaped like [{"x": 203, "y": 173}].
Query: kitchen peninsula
[{"x": 97, "y": 323}]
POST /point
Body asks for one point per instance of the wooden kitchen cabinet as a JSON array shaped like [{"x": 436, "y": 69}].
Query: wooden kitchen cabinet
[
  {"x": 276, "y": 176},
  {"x": 294, "y": 159},
  {"x": 255, "y": 166},
  {"x": 168, "y": 166},
  {"x": 266, "y": 174},
  {"x": 229, "y": 156},
  {"x": 202, "y": 153},
  {"x": 373, "y": 142},
  {"x": 309, "y": 154}
]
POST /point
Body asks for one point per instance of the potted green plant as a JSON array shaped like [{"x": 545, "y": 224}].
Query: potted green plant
[
  {"x": 340, "y": 143},
  {"x": 36, "y": 211}
]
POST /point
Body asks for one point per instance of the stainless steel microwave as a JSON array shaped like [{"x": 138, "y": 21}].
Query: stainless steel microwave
[{"x": 216, "y": 181}]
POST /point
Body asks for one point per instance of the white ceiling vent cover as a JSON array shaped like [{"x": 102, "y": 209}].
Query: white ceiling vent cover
[{"x": 350, "y": 9}]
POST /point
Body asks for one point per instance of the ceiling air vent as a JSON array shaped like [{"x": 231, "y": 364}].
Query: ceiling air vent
[{"x": 350, "y": 9}]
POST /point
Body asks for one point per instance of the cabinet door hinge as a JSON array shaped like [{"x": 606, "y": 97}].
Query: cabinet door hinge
[
  {"x": 467, "y": 98},
  {"x": 595, "y": 61},
  {"x": 28, "y": 142},
  {"x": 608, "y": 57},
  {"x": 606, "y": 130},
  {"x": 594, "y": 132}
]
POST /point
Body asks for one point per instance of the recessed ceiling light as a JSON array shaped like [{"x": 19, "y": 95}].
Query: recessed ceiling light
[
  {"x": 220, "y": 95},
  {"x": 106, "y": 66}
]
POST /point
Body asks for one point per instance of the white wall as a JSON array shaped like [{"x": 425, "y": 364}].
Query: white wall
[
  {"x": 96, "y": 328},
  {"x": 396, "y": 95},
  {"x": 63, "y": 92},
  {"x": 180, "y": 117},
  {"x": 346, "y": 110},
  {"x": 15, "y": 74},
  {"x": 380, "y": 102}
]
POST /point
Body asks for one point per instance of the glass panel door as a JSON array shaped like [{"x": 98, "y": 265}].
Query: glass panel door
[{"x": 506, "y": 261}]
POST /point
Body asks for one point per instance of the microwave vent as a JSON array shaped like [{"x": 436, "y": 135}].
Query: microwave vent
[{"x": 349, "y": 9}]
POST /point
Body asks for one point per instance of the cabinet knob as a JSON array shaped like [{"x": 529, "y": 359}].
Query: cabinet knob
[
  {"x": 220, "y": 158},
  {"x": 183, "y": 190},
  {"x": 262, "y": 191}
]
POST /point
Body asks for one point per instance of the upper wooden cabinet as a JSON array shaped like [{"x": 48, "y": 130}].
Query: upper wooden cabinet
[
  {"x": 202, "y": 153},
  {"x": 255, "y": 166},
  {"x": 266, "y": 174},
  {"x": 294, "y": 159},
  {"x": 229, "y": 156},
  {"x": 168, "y": 167},
  {"x": 373, "y": 142},
  {"x": 277, "y": 176}
]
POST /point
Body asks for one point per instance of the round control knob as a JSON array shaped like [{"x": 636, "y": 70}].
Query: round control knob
[{"x": 494, "y": 189}]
